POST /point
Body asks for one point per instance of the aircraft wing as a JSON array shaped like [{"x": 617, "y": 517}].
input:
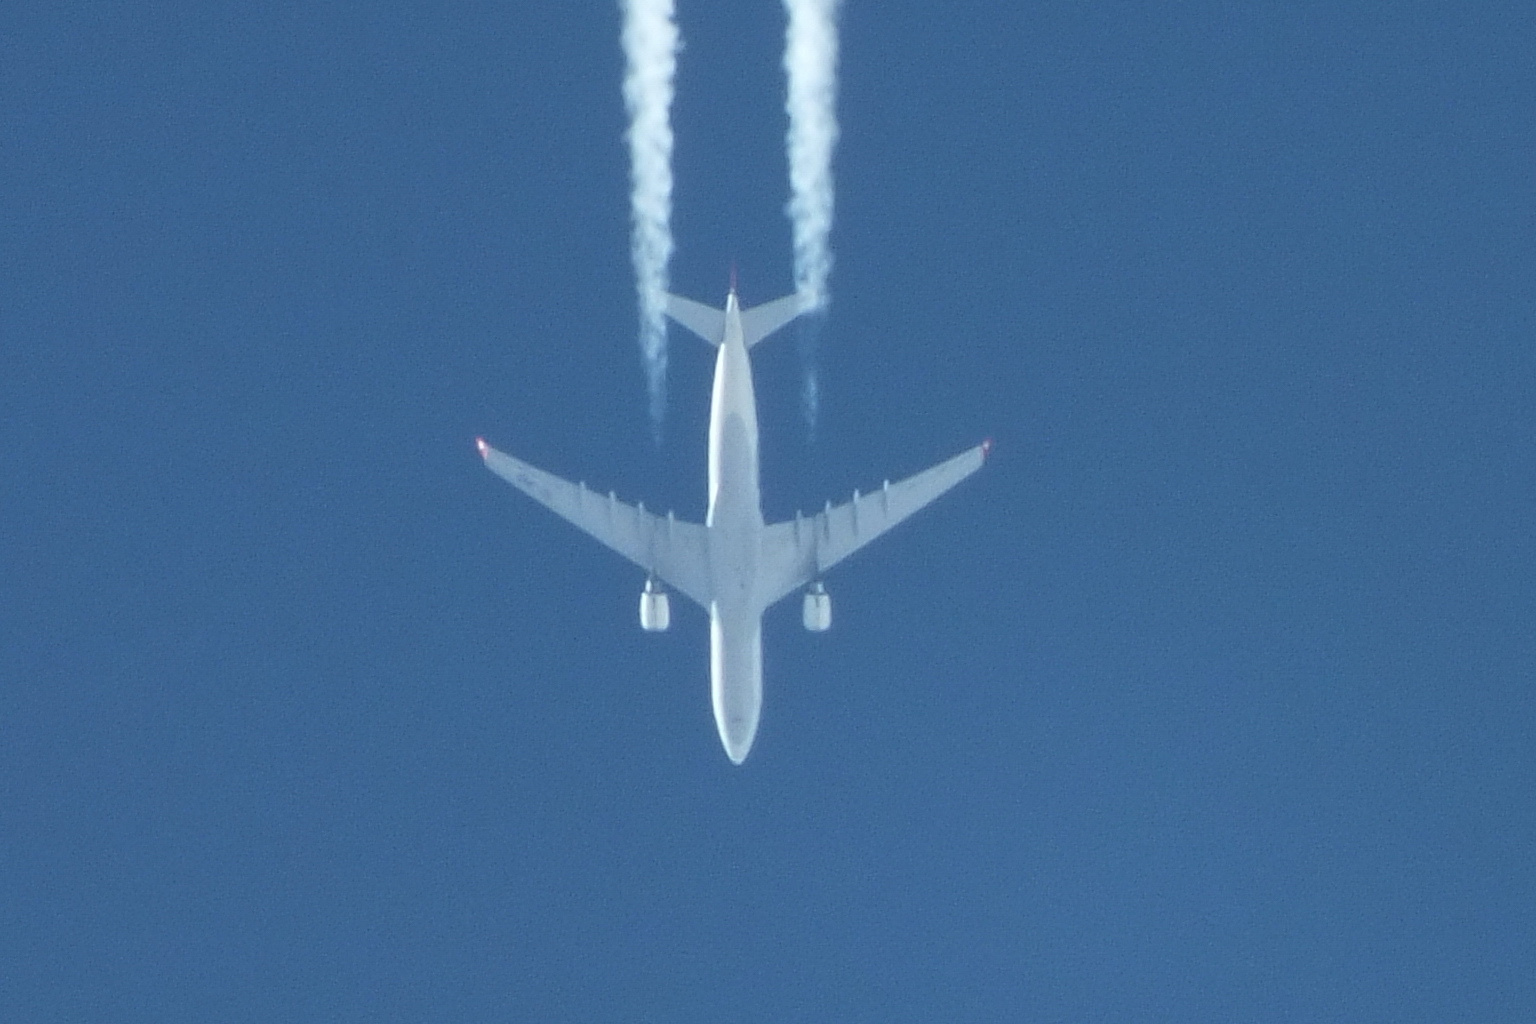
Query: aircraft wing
[
  {"x": 798, "y": 551},
  {"x": 676, "y": 552}
]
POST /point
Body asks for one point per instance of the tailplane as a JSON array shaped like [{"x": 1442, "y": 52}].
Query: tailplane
[
  {"x": 757, "y": 323},
  {"x": 705, "y": 321}
]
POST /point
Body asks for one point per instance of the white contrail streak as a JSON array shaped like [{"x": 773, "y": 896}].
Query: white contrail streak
[
  {"x": 810, "y": 64},
  {"x": 650, "y": 51}
]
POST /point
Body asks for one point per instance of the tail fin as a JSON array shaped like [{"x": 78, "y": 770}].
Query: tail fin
[{"x": 756, "y": 323}]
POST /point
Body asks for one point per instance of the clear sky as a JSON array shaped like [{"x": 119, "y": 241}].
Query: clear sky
[{"x": 1208, "y": 700}]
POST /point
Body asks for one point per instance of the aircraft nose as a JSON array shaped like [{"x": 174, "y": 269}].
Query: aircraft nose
[{"x": 736, "y": 736}]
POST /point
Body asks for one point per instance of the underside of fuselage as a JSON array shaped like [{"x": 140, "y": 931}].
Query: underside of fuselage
[
  {"x": 735, "y": 522},
  {"x": 736, "y": 679}
]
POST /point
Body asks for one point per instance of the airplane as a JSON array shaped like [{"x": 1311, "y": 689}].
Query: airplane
[{"x": 734, "y": 565}]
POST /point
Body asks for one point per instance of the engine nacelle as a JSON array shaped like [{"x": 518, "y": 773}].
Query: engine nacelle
[
  {"x": 816, "y": 611},
  {"x": 655, "y": 611}
]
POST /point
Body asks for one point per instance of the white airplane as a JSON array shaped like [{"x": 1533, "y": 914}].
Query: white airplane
[{"x": 734, "y": 566}]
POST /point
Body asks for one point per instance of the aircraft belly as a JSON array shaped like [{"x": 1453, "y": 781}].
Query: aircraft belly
[
  {"x": 735, "y": 522},
  {"x": 736, "y": 679}
]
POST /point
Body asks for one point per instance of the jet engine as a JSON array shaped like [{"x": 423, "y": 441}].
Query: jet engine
[
  {"x": 816, "y": 612},
  {"x": 655, "y": 612}
]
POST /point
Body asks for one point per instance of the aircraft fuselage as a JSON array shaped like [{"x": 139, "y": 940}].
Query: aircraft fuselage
[{"x": 735, "y": 522}]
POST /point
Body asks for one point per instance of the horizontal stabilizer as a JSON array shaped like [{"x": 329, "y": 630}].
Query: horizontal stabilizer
[
  {"x": 757, "y": 323},
  {"x": 760, "y": 321},
  {"x": 702, "y": 320}
]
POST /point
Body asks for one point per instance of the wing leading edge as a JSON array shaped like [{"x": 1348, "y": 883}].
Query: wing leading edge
[
  {"x": 675, "y": 551},
  {"x": 796, "y": 552}
]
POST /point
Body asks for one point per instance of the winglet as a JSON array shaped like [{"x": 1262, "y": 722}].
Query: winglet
[
  {"x": 484, "y": 448},
  {"x": 986, "y": 447},
  {"x": 733, "y": 277}
]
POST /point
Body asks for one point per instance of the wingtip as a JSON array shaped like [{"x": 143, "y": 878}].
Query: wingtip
[
  {"x": 986, "y": 448},
  {"x": 482, "y": 447}
]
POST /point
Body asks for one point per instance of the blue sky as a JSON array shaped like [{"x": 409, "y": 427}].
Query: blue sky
[{"x": 1208, "y": 700}]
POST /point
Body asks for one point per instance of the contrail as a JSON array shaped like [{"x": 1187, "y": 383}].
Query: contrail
[
  {"x": 810, "y": 64},
  {"x": 650, "y": 51}
]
